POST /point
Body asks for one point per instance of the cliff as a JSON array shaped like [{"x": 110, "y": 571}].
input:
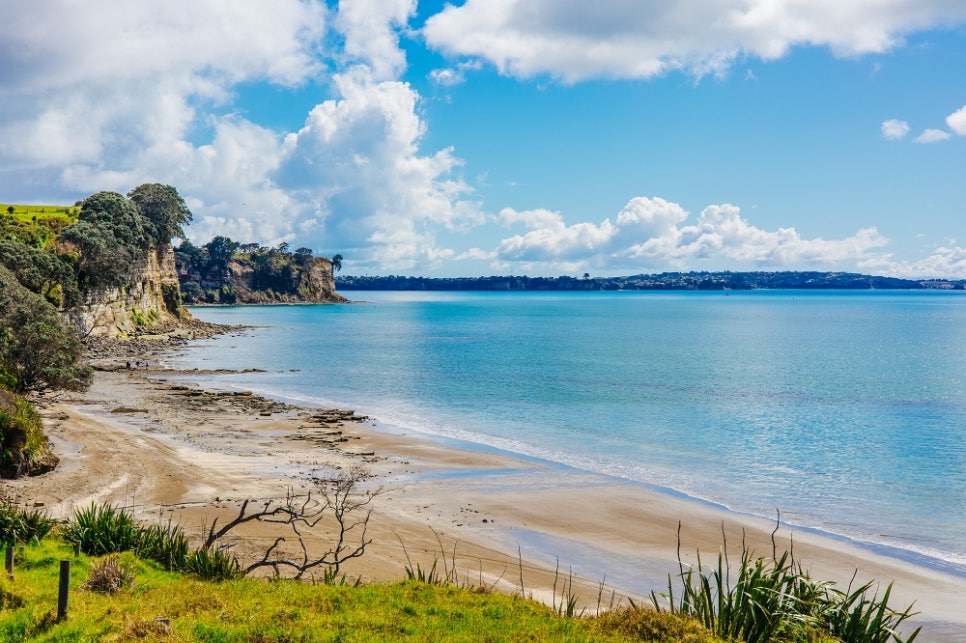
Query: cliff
[
  {"x": 258, "y": 278},
  {"x": 149, "y": 300}
]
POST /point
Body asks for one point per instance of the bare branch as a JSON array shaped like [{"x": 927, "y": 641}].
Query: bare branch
[{"x": 337, "y": 506}]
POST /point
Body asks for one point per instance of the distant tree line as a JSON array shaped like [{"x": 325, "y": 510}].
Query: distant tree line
[{"x": 662, "y": 281}]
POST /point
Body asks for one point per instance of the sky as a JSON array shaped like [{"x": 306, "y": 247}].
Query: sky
[{"x": 526, "y": 137}]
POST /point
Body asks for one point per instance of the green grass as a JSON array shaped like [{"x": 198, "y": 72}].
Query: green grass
[
  {"x": 32, "y": 213},
  {"x": 262, "y": 610},
  {"x": 35, "y": 225},
  {"x": 134, "y": 595}
]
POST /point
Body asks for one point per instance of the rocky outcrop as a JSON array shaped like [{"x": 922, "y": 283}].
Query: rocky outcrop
[
  {"x": 278, "y": 278},
  {"x": 150, "y": 301}
]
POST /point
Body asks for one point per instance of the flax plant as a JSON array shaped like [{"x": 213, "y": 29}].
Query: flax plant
[{"x": 776, "y": 599}]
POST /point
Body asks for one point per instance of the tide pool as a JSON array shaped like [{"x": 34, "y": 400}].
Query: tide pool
[{"x": 844, "y": 410}]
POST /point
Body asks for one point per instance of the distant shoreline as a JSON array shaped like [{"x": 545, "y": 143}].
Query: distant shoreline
[{"x": 724, "y": 280}]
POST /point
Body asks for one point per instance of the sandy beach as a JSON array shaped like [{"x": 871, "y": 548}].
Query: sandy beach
[{"x": 148, "y": 440}]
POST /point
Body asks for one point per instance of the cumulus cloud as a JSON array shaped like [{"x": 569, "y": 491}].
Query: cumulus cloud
[
  {"x": 145, "y": 92},
  {"x": 371, "y": 34},
  {"x": 957, "y": 121},
  {"x": 550, "y": 239},
  {"x": 576, "y": 40},
  {"x": 651, "y": 234},
  {"x": 943, "y": 263},
  {"x": 933, "y": 136},
  {"x": 894, "y": 129},
  {"x": 131, "y": 77},
  {"x": 356, "y": 159}
]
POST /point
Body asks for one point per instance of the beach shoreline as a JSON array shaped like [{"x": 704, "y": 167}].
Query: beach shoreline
[{"x": 171, "y": 451}]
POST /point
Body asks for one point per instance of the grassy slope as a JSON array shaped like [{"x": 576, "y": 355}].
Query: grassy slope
[
  {"x": 260, "y": 610},
  {"x": 28, "y": 212},
  {"x": 35, "y": 225}
]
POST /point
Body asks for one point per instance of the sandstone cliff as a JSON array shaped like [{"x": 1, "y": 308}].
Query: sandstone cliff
[
  {"x": 260, "y": 279},
  {"x": 151, "y": 300}
]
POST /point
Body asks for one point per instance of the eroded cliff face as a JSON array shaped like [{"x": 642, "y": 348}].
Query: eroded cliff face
[
  {"x": 308, "y": 280},
  {"x": 150, "y": 301}
]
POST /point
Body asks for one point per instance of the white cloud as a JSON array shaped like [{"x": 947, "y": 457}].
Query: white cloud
[
  {"x": 550, "y": 239},
  {"x": 450, "y": 76},
  {"x": 356, "y": 159},
  {"x": 957, "y": 121},
  {"x": 371, "y": 35},
  {"x": 139, "y": 93},
  {"x": 943, "y": 263},
  {"x": 651, "y": 217},
  {"x": 894, "y": 129},
  {"x": 128, "y": 77},
  {"x": 576, "y": 40},
  {"x": 531, "y": 219},
  {"x": 201, "y": 45},
  {"x": 650, "y": 234},
  {"x": 933, "y": 136},
  {"x": 446, "y": 77}
]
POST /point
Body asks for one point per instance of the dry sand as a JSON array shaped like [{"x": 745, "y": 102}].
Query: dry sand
[{"x": 144, "y": 440}]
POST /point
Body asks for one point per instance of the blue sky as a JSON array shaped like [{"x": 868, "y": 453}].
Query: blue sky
[{"x": 539, "y": 137}]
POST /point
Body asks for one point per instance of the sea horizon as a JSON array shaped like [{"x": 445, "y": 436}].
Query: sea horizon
[{"x": 841, "y": 410}]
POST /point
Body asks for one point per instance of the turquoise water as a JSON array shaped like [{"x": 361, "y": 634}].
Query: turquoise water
[{"x": 845, "y": 410}]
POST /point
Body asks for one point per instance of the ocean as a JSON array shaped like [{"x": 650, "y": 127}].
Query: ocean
[{"x": 845, "y": 410}]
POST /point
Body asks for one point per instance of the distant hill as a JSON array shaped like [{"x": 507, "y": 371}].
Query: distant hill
[{"x": 790, "y": 280}]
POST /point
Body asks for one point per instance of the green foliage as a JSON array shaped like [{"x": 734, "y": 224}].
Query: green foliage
[
  {"x": 277, "y": 610},
  {"x": 37, "y": 349},
  {"x": 33, "y": 225},
  {"x": 854, "y": 616},
  {"x": 114, "y": 214},
  {"x": 431, "y": 576},
  {"x": 162, "y": 209},
  {"x": 266, "y": 274},
  {"x": 220, "y": 251},
  {"x": 775, "y": 599},
  {"x": 21, "y": 429},
  {"x": 41, "y": 272},
  {"x": 102, "y": 529},
  {"x": 212, "y": 565},
  {"x": 166, "y": 545},
  {"x": 18, "y": 525},
  {"x": 650, "y": 625},
  {"x": 106, "y": 529},
  {"x": 101, "y": 259},
  {"x": 112, "y": 232}
]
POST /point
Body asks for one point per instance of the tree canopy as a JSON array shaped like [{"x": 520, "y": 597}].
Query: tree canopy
[
  {"x": 113, "y": 213},
  {"x": 38, "y": 351},
  {"x": 163, "y": 210}
]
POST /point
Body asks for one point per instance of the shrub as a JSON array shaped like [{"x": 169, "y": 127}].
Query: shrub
[
  {"x": 103, "y": 529},
  {"x": 163, "y": 544},
  {"x": 775, "y": 599},
  {"x": 23, "y": 444},
  {"x": 649, "y": 625},
  {"x": 109, "y": 576},
  {"x": 20, "y": 525},
  {"x": 212, "y": 564}
]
